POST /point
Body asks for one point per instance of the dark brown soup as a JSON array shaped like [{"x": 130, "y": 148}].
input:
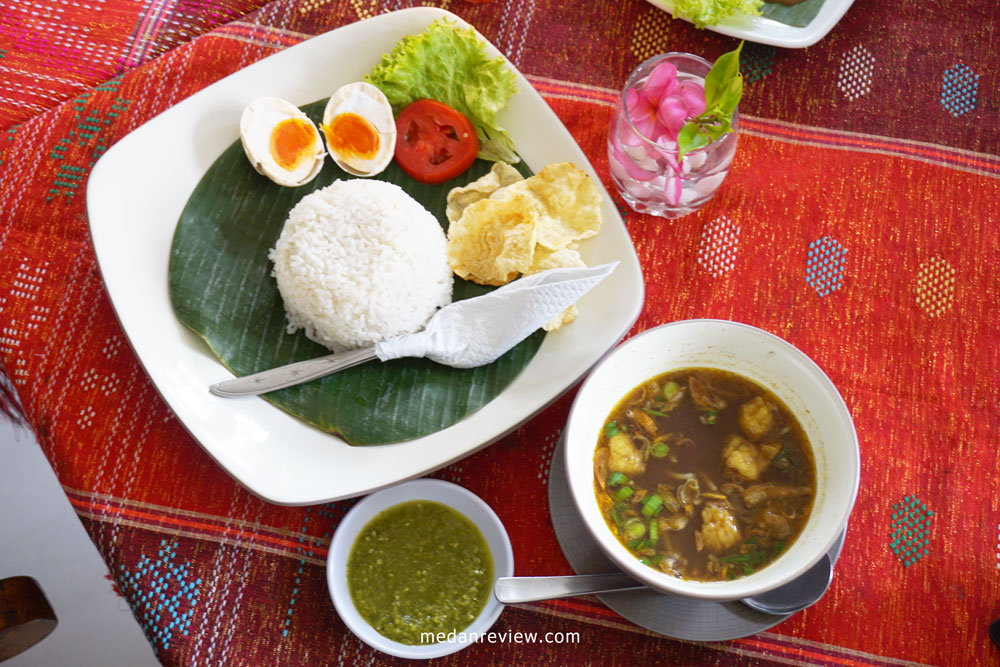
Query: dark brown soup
[{"x": 704, "y": 474}]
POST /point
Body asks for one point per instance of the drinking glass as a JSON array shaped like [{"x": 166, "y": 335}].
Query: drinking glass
[{"x": 646, "y": 173}]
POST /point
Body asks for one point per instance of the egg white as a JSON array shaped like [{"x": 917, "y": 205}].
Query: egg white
[
  {"x": 370, "y": 103},
  {"x": 256, "y": 124}
]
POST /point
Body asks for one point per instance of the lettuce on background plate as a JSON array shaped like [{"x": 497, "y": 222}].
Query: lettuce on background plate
[
  {"x": 709, "y": 12},
  {"x": 704, "y": 13}
]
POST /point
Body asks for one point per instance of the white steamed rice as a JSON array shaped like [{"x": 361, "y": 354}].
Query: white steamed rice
[{"x": 360, "y": 261}]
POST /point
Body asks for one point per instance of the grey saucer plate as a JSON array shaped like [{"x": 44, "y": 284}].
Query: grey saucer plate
[{"x": 670, "y": 615}]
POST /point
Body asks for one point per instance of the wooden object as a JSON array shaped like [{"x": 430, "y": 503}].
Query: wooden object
[{"x": 26, "y": 617}]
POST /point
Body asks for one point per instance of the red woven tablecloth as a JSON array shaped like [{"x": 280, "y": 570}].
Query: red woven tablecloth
[{"x": 859, "y": 222}]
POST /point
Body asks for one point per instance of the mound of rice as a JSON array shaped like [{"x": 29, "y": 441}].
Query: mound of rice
[{"x": 360, "y": 261}]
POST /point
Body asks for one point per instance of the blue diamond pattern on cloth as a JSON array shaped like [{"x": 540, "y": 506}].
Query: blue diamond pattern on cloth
[
  {"x": 959, "y": 88},
  {"x": 623, "y": 209},
  {"x": 911, "y": 521},
  {"x": 756, "y": 61},
  {"x": 825, "y": 265},
  {"x": 161, "y": 594}
]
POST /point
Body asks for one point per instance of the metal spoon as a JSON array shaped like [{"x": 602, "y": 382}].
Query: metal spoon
[
  {"x": 798, "y": 593},
  {"x": 511, "y": 590},
  {"x": 793, "y": 596}
]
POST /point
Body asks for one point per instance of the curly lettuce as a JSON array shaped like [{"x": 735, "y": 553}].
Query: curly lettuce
[
  {"x": 710, "y": 12},
  {"x": 450, "y": 64}
]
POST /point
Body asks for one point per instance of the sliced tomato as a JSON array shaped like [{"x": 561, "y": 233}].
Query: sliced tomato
[{"x": 434, "y": 142}]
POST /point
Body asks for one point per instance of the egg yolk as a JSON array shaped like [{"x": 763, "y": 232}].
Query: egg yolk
[
  {"x": 292, "y": 141},
  {"x": 351, "y": 136}
]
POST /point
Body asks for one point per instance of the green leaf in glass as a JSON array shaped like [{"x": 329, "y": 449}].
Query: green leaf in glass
[
  {"x": 691, "y": 137},
  {"x": 719, "y": 82}
]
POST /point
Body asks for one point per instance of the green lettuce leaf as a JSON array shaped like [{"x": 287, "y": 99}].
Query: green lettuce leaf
[
  {"x": 450, "y": 64},
  {"x": 709, "y": 12}
]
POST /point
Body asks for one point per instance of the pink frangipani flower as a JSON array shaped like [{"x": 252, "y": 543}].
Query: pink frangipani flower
[
  {"x": 658, "y": 110},
  {"x": 661, "y": 81},
  {"x": 631, "y": 168},
  {"x": 673, "y": 110},
  {"x": 663, "y": 105},
  {"x": 672, "y": 185},
  {"x": 694, "y": 95},
  {"x": 641, "y": 110}
]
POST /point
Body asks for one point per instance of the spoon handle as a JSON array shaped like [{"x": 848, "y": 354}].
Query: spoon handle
[
  {"x": 511, "y": 590},
  {"x": 292, "y": 374}
]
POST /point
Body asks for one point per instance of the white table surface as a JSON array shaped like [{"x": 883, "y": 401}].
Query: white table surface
[{"x": 41, "y": 537}]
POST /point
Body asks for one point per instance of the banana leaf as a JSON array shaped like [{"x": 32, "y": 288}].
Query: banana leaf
[
  {"x": 221, "y": 287},
  {"x": 799, "y": 15}
]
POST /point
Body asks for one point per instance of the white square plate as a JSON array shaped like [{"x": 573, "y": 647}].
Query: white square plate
[
  {"x": 135, "y": 196},
  {"x": 763, "y": 30}
]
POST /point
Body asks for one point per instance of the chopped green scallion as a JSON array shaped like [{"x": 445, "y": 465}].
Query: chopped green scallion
[
  {"x": 740, "y": 558},
  {"x": 611, "y": 429},
  {"x": 651, "y": 505},
  {"x": 617, "y": 479},
  {"x": 654, "y": 531},
  {"x": 670, "y": 389},
  {"x": 618, "y": 514},
  {"x": 659, "y": 449},
  {"x": 634, "y": 528},
  {"x": 655, "y": 413},
  {"x": 624, "y": 493},
  {"x": 785, "y": 462}
]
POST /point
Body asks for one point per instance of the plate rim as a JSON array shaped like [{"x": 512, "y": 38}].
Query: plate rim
[{"x": 282, "y": 487}]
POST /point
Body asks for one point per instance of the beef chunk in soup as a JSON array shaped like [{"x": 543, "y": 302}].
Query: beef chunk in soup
[
  {"x": 756, "y": 417},
  {"x": 719, "y": 530},
  {"x": 703, "y": 474},
  {"x": 744, "y": 460}
]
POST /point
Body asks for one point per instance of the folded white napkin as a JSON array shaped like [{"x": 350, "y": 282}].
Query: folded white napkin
[{"x": 474, "y": 332}]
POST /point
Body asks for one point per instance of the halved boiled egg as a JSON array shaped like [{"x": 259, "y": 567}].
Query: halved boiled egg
[
  {"x": 281, "y": 142},
  {"x": 359, "y": 128}
]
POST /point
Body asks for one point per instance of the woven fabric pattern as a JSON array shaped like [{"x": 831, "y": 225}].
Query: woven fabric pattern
[{"x": 858, "y": 222}]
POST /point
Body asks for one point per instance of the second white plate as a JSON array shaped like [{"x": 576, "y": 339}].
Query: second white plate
[{"x": 763, "y": 30}]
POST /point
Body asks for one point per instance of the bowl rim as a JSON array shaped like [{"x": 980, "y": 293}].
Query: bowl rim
[
  {"x": 454, "y": 496},
  {"x": 716, "y": 591}
]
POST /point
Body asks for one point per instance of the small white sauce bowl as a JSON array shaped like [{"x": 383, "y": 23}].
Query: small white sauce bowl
[
  {"x": 459, "y": 499},
  {"x": 755, "y": 354}
]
